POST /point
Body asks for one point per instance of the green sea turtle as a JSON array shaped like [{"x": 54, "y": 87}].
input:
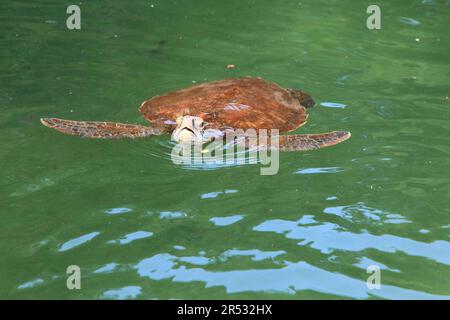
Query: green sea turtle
[{"x": 209, "y": 111}]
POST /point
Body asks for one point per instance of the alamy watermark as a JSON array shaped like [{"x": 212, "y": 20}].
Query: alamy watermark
[
  {"x": 74, "y": 279},
  {"x": 73, "y": 21},
  {"x": 374, "y": 280},
  {"x": 236, "y": 148},
  {"x": 373, "y": 22}
]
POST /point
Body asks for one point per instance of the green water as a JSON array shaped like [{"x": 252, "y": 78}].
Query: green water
[{"x": 140, "y": 226}]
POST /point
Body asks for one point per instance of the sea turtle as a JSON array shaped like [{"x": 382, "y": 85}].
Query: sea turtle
[{"x": 210, "y": 110}]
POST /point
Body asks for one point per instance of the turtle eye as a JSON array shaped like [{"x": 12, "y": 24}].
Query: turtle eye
[
  {"x": 202, "y": 124},
  {"x": 199, "y": 122}
]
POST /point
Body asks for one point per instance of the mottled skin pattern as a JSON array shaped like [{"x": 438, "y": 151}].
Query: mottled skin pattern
[
  {"x": 294, "y": 142},
  {"x": 304, "y": 142},
  {"x": 97, "y": 129},
  {"x": 245, "y": 103}
]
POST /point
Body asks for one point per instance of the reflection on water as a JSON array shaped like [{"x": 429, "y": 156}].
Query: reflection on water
[
  {"x": 132, "y": 237},
  {"x": 328, "y": 237},
  {"x": 409, "y": 21},
  {"x": 200, "y": 261},
  {"x": 333, "y": 105},
  {"x": 31, "y": 284},
  {"x": 291, "y": 277},
  {"x": 280, "y": 271},
  {"x": 365, "y": 262},
  {"x": 114, "y": 211},
  {"x": 204, "y": 159},
  {"x": 130, "y": 292},
  {"x": 215, "y": 194},
  {"x": 319, "y": 170},
  {"x": 226, "y": 221},
  {"x": 172, "y": 214},
  {"x": 107, "y": 268},
  {"x": 257, "y": 255},
  {"x": 358, "y": 211},
  {"x": 78, "y": 241}
]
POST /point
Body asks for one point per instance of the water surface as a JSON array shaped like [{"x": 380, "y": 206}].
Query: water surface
[{"x": 141, "y": 227}]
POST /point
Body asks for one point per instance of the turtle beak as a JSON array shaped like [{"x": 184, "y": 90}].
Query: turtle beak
[
  {"x": 190, "y": 130},
  {"x": 187, "y": 134}
]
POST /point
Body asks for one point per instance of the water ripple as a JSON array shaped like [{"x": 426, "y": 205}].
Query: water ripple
[
  {"x": 132, "y": 237},
  {"x": 210, "y": 195},
  {"x": 327, "y": 237},
  {"x": 333, "y": 105},
  {"x": 31, "y": 284},
  {"x": 319, "y": 170},
  {"x": 365, "y": 262},
  {"x": 226, "y": 221},
  {"x": 107, "y": 268},
  {"x": 354, "y": 212},
  {"x": 289, "y": 279},
  {"x": 256, "y": 254},
  {"x": 115, "y": 211},
  {"x": 172, "y": 215},
  {"x": 410, "y": 21},
  {"x": 78, "y": 241},
  {"x": 130, "y": 292}
]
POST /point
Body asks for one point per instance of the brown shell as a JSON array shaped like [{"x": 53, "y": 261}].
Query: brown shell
[{"x": 242, "y": 103}]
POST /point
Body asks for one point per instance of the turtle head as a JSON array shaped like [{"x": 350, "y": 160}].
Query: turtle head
[
  {"x": 305, "y": 99},
  {"x": 189, "y": 129}
]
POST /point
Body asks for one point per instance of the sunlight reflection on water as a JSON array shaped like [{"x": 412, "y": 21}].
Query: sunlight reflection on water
[
  {"x": 78, "y": 241},
  {"x": 319, "y": 170},
  {"x": 291, "y": 277},
  {"x": 132, "y": 237},
  {"x": 328, "y": 237}
]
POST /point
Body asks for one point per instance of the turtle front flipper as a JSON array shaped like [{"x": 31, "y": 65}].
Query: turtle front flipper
[
  {"x": 304, "y": 142},
  {"x": 100, "y": 130}
]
